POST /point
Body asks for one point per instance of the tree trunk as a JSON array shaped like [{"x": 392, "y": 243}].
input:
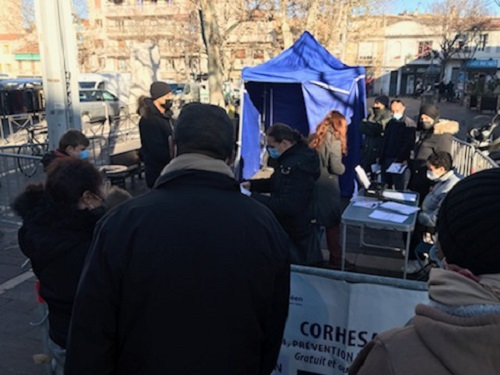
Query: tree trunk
[
  {"x": 210, "y": 28},
  {"x": 312, "y": 17},
  {"x": 285, "y": 25}
]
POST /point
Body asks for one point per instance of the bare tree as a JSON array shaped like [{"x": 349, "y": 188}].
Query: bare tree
[
  {"x": 220, "y": 23},
  {"x": 459, "y": 24}
]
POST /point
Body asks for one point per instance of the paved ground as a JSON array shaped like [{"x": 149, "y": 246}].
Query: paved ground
[{"x": 19, "y": 340}]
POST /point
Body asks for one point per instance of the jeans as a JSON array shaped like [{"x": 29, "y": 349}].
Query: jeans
[{"x": 58, "y": 357}]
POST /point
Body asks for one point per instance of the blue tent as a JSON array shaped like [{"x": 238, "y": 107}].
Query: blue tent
[{"x": 299, "y": 87}]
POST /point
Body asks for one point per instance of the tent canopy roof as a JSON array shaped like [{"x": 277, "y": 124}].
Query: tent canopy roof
[{"x": 306, "y": 60}]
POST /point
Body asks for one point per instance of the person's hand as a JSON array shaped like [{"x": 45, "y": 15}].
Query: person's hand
[
  {"x": 246, "y": 185},
  {"x": 245, "y": 188}
]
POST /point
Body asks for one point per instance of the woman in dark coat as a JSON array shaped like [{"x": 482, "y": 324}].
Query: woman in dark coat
[
  {"x": 291, "y": 187},
  {"x": 58, "y": 223},
  {"x": 330, "y": 142}
]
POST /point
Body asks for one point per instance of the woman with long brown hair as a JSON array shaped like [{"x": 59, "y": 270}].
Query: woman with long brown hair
[{"x": 330, "y": 141}]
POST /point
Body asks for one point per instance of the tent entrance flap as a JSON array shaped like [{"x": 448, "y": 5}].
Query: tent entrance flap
[{"x": 280, "y": 102}]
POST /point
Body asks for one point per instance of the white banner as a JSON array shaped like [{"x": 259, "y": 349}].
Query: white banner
[{"x": 330, "y": 321}]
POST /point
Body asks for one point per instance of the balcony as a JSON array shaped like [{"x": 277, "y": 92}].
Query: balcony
[{"x": 145, "y": 10}]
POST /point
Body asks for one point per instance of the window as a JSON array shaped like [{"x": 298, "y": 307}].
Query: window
[
  {"x": 258, "y": 54},
  {"x": 6, "y": 49},
  {"x": 365, "y": 51},
  {"x": 424, "y": 48},
  {"x": 102, "y": 62},
  {"x": 8, "y": 68},
  {"x": 122, "y": 64},
  {"x": 109, "y": 97},
  {"x": 483, "y": 41},
  {"x": 239, "y": 54}
]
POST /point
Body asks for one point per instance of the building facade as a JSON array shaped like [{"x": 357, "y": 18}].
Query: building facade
[{"x": 398, "y": 55}]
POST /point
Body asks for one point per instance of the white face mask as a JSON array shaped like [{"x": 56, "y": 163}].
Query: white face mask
[
  {"x": 397, "y": 116},
  {"x": 432, "y": 176}
]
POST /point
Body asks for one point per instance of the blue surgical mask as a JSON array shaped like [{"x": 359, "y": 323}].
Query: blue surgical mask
[
  {"x": 273, "y": 153},
  {"x": 84, "y": 154},
  {"x": 397, "y": 116}
]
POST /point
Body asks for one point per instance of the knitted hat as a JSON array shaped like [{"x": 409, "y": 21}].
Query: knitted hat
[
  {"x": 159, "y": 89},
  {"x": 469, "y": 223},
  {"x": 206, "y": 129},
  {"x": 429, "y": 110},
  {"x": 382, "y": 99}
]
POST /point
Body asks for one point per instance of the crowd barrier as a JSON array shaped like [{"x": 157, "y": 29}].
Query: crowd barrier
[
  {"x": 467, "y": 160},
  {"x": 18, "y": 169},
  {"x": 333, "y": 315}
]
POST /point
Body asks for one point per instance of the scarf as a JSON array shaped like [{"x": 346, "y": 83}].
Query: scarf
[{"x": 198, "y": 162}]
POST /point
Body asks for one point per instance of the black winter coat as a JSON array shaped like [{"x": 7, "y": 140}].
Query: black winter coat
[
  {"x": 155, "y": 129},
  {"x": 56, "y": 239},
  {"x": 399, "y": 140},
  {"x": 189, "y": 278},
  {"x": 291, "y": 186},
  {"x": 372, "y": 129}
]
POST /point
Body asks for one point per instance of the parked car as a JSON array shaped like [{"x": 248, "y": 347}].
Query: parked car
[{"x": 95, "y": 105}]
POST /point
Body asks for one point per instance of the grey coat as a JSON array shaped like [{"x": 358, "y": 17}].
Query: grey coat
[
  {"x": 327, "y": 191},
  {"x": 430, "y": 206}
]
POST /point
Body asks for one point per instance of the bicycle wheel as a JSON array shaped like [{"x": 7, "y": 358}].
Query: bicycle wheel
[{"x": 28, "y": 166}]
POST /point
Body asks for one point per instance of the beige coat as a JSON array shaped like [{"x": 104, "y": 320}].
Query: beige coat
[{"x": 459, "y": 335}]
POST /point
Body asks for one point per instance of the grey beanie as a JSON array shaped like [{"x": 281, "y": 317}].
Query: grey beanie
[{"x": 159, "y": 89}]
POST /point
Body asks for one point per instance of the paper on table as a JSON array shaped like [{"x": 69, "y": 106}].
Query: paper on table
[
  {"x": 387, "y": 216},
  {"x": 366, "y": 204},
  {"x": 397, "y": 168},
  {"x": 400, "y": 207},
  {"x": 363, "y": 178},
  {"x": 375, "y": 168},
  {"x": 399, "y": 196}
]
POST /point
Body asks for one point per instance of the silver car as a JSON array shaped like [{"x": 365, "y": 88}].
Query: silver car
[{"x": 97, "y": 105}]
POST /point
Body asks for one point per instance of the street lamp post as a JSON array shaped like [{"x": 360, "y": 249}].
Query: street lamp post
[{"x": 58, "y": 52}]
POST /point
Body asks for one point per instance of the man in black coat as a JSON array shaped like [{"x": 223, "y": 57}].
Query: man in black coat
[
  {"x": 189, "y": 278},
  {"x": 155, "y": 127},
  {"x": 399, "y": 140},
  {"x": 372, "y": 129}
]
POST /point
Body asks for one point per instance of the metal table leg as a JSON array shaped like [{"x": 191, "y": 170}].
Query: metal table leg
[{"x": 344, "y": 244}]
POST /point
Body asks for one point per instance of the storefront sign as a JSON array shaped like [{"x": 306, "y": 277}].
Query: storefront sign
[{"x": 482, "y": 64}]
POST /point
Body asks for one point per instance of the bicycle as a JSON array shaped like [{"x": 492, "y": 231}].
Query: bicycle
[{"x": 28, "y": 166}]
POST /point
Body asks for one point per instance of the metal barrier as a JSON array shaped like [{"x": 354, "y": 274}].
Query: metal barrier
[
  {"x": 13, "y": 123},
  {"x": 14, "y": 163},
  {"x": 467, "y": 160}
]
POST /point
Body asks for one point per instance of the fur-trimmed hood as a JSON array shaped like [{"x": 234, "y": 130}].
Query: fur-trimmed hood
[{"x": 446, "y": 126}]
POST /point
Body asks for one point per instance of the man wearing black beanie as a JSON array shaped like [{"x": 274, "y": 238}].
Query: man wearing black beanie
[
  {"x": 458, "y": 332},
  {"x": 433, "y": 135},
  {"x": 156, "y": 126},
  {"x": 372, "y": 129}
]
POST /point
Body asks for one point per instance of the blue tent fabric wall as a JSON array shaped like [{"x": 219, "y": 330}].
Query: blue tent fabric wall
[{"x": 299, "y": 87}]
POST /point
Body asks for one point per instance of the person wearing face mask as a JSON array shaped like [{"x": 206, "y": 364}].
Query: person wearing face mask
[
  {"x": 372, "y": 129},
  {"x": 59, "y": 217},
  {"x": 442, "y": 175},
  {"x": 192, "y": 259},
  {"x": 433, "y": 134},
  {"x": 73, "y": 143},
  {"x": 290, "y": 186},
  {"x": 458, "y": 330},
  {"x": 155, "y": 127},
  {"x": 399, "y": 139}
]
